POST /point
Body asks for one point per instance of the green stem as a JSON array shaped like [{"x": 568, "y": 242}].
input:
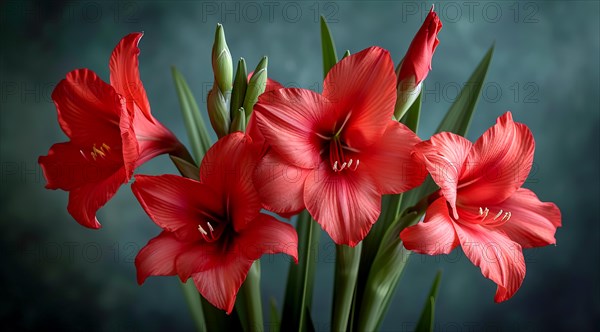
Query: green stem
[
  {"x": 249, "y": 304},
  {"x": 193, "y": 301},
  {"x": 347, "y": 260}
]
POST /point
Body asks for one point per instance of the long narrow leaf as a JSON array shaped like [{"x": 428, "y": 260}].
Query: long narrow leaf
[
  {"x": 275, "y": 318},
  {"x": 194, "y": 124},
  {"x": 248, "y": 303},
  {"x": 299, "y": 289},
  {"x": 329, "y": 54},
  {"x": 427, "y": 315}
]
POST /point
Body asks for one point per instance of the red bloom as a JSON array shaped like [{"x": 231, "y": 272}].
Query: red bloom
[
  {"x": 482, "y": 205},
  {"x": 111, "y": 132},
  {"x": 417, "y": 61},
  {"x": 213, "y": 229},
  {"x": 338, "y": 152}
]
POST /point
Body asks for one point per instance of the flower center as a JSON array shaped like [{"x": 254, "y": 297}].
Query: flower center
[
  {"x": 339, "y": 153},
  {"x": 499, "y": 219},
  {"x": 98, "y": 152},
  {"x": 210, "y": 230}
]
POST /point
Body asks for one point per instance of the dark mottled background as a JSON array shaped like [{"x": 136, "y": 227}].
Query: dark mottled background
[{"x": 56, "y": 274}]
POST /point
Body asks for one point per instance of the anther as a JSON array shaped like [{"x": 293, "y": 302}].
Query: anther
[
  {"x": 480, "y": 211},
  {"x": 210, "y": 227},
  {"x": 485, "y": 213},
  {"x": 343, "y": 166},
  {"x": 202, "y": 230},
  {"x": 498, "y": 215},
  {"x": 349, "y": 163},
  {"x": 357, "y": 163},
  {"x": 335, "y": 169}
]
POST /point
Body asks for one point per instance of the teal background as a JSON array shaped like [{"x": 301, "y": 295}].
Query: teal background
[{"x": 58, "y": 275}]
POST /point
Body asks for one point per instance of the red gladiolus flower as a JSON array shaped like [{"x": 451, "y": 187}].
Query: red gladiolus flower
[
  {"x": 482, "y": 206},
  {"x": 417, "y": 61},
  {"x": 213, "y": 229},
  {"x": 111, "y": 132},
  {"x": 337, "y": 153}
]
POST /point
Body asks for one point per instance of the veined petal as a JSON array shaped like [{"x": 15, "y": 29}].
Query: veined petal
[
  {"x": 444, "y": 156},
  {"x": 280, "y": 185},
  {"x": 88, "y": 109},
  {"x": 199, "y": 257},
  {"x": 532, "y": 223},
  {"x": 390, "y": 163},
  {"x": 157, "y": 258},
  {"x": 267, "y": 235},
  {"x": 498, "y": 163},
  {"x": 363, "y": 87},
  {"x": 221, "y": 284},
  {"x": 499, "y": 258},
  {"x": 289, "y": 120},
  {"x": 435, "y": 235},
  {"x": 125, "y": 75},
  {"x": 178, "y": 204},
  {"x": 228, "y": 167},
  {"x": 345, "y": 204},
  {"x": 85, "y": 201}
]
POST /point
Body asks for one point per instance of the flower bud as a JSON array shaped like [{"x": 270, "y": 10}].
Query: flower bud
[
  {"x": 256, "y": 85},
  {"x": 221, "y": 62},
  {"x": 239, "y": 87},
  {"x": 239, "y": 121},
  {"x": 218, "y": 111},
  {"x": 417, "y": 63}
]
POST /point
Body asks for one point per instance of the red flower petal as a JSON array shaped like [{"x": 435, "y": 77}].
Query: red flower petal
[
  {"x": 444, "y": 156},
  {"x": 499, "y": 258},
  {"x": 364, "y": 86},
  {"x": 267, "y": 235},
  {"x": 198, "y": 258},
  {"x": 390, "y": 163},
  {"x": 220, "y": 285},
  {"x": 345, "y": 204},
  {"x": 435, "y": 235},
  {"x": 532, "y": 223},
  {"x": 498, "y": 163},
  {"x": 279, "y": 184},
  {"x": 157, "y": 258},
  {"x": 89, "y": 110},
  {"x": 125, "y": 75},
  {"x": 177, "y": 204},
  {"x": 288, "y": 119},
  {"x": 228, "y": 167}
]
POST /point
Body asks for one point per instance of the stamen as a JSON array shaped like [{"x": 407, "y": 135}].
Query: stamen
[
  {"x": 335, "y": 169},
  {"x": 480, "y": 211},
  {"x": 323, "y": 136},
  {"x": 506, "y": 216},
  {"x": 210, "y": 227},
  {"x": 349, "y": 163},
  {"x": 202, "y": 230},
  {"x": 485, "y": 214},
  {"x": 106, "y": 146},
  {"x": 498, "y": 215},
  {"x": 343, "y": 166},
  {"x": 357, "y": 163}
]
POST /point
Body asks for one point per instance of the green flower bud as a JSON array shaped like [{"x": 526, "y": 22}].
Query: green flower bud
[
  {"x": 239, "y": 121},
  {"x": 256, "y": 85},
  {"x": 239, "y": 87},
  {"x": 221, "y": 61},
  {"x": 218, "y": 111},
  {"x": 407, "y": 93}
]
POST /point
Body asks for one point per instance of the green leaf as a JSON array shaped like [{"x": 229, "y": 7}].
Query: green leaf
[
  {"x": 248, "y": 303},
  {"x": 299, "y": 289},
  {"x": 239, "y": 87},
  {"x": 329, "y": 54},
  {"x": 383, "y": 277},
  {"x": 347, "y": 261},
  {"x": 218, "y": 320},
  {"x": 194, "y": 124},
  {"x": 427, "y": 315},
  {"x": 275, "y": 322},
  {"x": 192, "y": 298},
  {"x": 457, "y": 120}
]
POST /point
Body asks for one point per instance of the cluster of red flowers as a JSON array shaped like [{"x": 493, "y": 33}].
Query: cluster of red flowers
[{"x": 334, "y": 154}]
